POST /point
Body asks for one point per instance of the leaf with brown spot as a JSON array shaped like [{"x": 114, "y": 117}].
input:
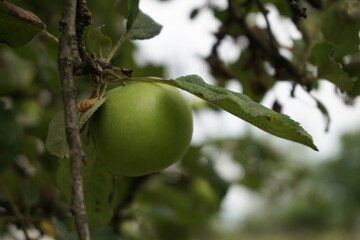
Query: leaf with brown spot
[{"x": 243, "y": 107}]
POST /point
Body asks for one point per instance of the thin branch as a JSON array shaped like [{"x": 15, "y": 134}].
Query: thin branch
[
  {"x": 282, "y": 65},
  {"x": 297, "y": 9},
  {"x": 19, "y": 216},
  {"x": 68, "y": 59},
  {"x": 265, "y": 12},
  {"x": 117, "y": 46}
]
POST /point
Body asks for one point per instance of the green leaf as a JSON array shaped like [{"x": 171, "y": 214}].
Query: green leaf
[
  {"x": 324, "y": 112},
  {"x": 243, "y": 107},
  {"x": 56, "y": 142},
  {"x": 85, "y": 116},
  {"x": 11, "y": 136},
  {"x": 16, "y": 74},
  {"x": 96, "y": 42},
  {"x": 328, "y": 68},
  {"x": 18, "y": 26},
  {"x": 63, "y": 179},
  {"x": 64, "y": 231},
  {"x": 97, "y": 189},
  {"x": 144, "y": 27},
  {"x": 104, "y": 233},
  {"x": 133, "y": 10},
  {"x": 196, "y": 163},
  {"x": 353, "y": 69},
  {"x": 340, "y": 26}
]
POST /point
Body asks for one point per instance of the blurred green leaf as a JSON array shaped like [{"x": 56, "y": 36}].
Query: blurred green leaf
[
  {"x": 197, "y": 164},
  {"x": 282, "y": 7},
  {"x": 97, "y": 189},
  {"x": 144, "y": 27},
  {"x": 96, "y": 42},
  {"x": 324, "y": 112},
  {"x": 18, "y": 26},
  {"x": 184, "y": 207},
  {"x": 353, "y": 69},
  {"x": 243, "y": 107},
  {"x": 259, "y": 161},
  {"x": 64, "y": 232},
  {"x": 104, "y": 233},
  {"x": 166, "y": 202},
  {"x": 16, "y": 74},
  {"x": 56, "y": 142},
  {"x": 11, "y": 136},
  {"x": 30, "y": 192},
  {"x": 340, "y": 26},
  {"x": 328, "y": 68},
  {"x": 11, "y": 185},
  {"x": 63, "y": 179}
]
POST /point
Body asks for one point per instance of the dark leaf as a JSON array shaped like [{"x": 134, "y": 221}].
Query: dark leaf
[
  {"x": 325, "y": 113},
  {"x": 18, "y": 26},
  {"x": 144, "y": 27},
  {"x": 97, "y": 187},
  {"x": 340, "y": 26},
  {"x": 11, "y": 136},
  {"x": 133, "y": 10},
  {"x": 328, "y": 68}
]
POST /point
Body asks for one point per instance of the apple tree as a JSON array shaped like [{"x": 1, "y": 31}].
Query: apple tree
[{"x": 64, "y": 162}]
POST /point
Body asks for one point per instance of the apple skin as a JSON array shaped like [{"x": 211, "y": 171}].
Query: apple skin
[{"x": 142, "y": 128}]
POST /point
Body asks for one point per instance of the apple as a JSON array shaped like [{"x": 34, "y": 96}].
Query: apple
[{"x": 142, "y": 128}]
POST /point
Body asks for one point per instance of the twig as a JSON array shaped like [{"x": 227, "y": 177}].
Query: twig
[
  {"x": 117, "y": 46},
  {"x": 282, "y": 65},
  {"x": 67, "y": 60},
  {"x": 19, "y": 216},
  {"x": 265, "y": 12},
  {"x": 298, "y": 10}
]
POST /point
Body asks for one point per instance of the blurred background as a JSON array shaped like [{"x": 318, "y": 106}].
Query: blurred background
[{"x": 236, "y": 181}]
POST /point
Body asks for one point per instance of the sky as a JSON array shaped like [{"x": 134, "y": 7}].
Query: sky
[{"x": 182, "y": 45}]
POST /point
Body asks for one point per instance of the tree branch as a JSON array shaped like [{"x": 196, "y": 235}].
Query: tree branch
[
  {"x": 297, "y": 9},
  {"x": 68, "y": 59},
  {"x": 265, "y": 12}
]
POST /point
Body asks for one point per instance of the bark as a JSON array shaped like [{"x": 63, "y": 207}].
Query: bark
[{"x": 68, "y": 59}]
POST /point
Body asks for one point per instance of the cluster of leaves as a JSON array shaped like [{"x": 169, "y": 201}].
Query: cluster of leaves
[
  {"x": 329, "y": 44},
  {"x": 178, "y": 203}
]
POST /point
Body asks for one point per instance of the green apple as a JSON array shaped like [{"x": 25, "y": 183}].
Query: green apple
[{"x": 142, "y": 128}]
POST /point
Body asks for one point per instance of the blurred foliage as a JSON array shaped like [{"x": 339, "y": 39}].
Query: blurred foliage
[
  {"x": 183, "y": 202},
  {"x": 325, "y": 202}
]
